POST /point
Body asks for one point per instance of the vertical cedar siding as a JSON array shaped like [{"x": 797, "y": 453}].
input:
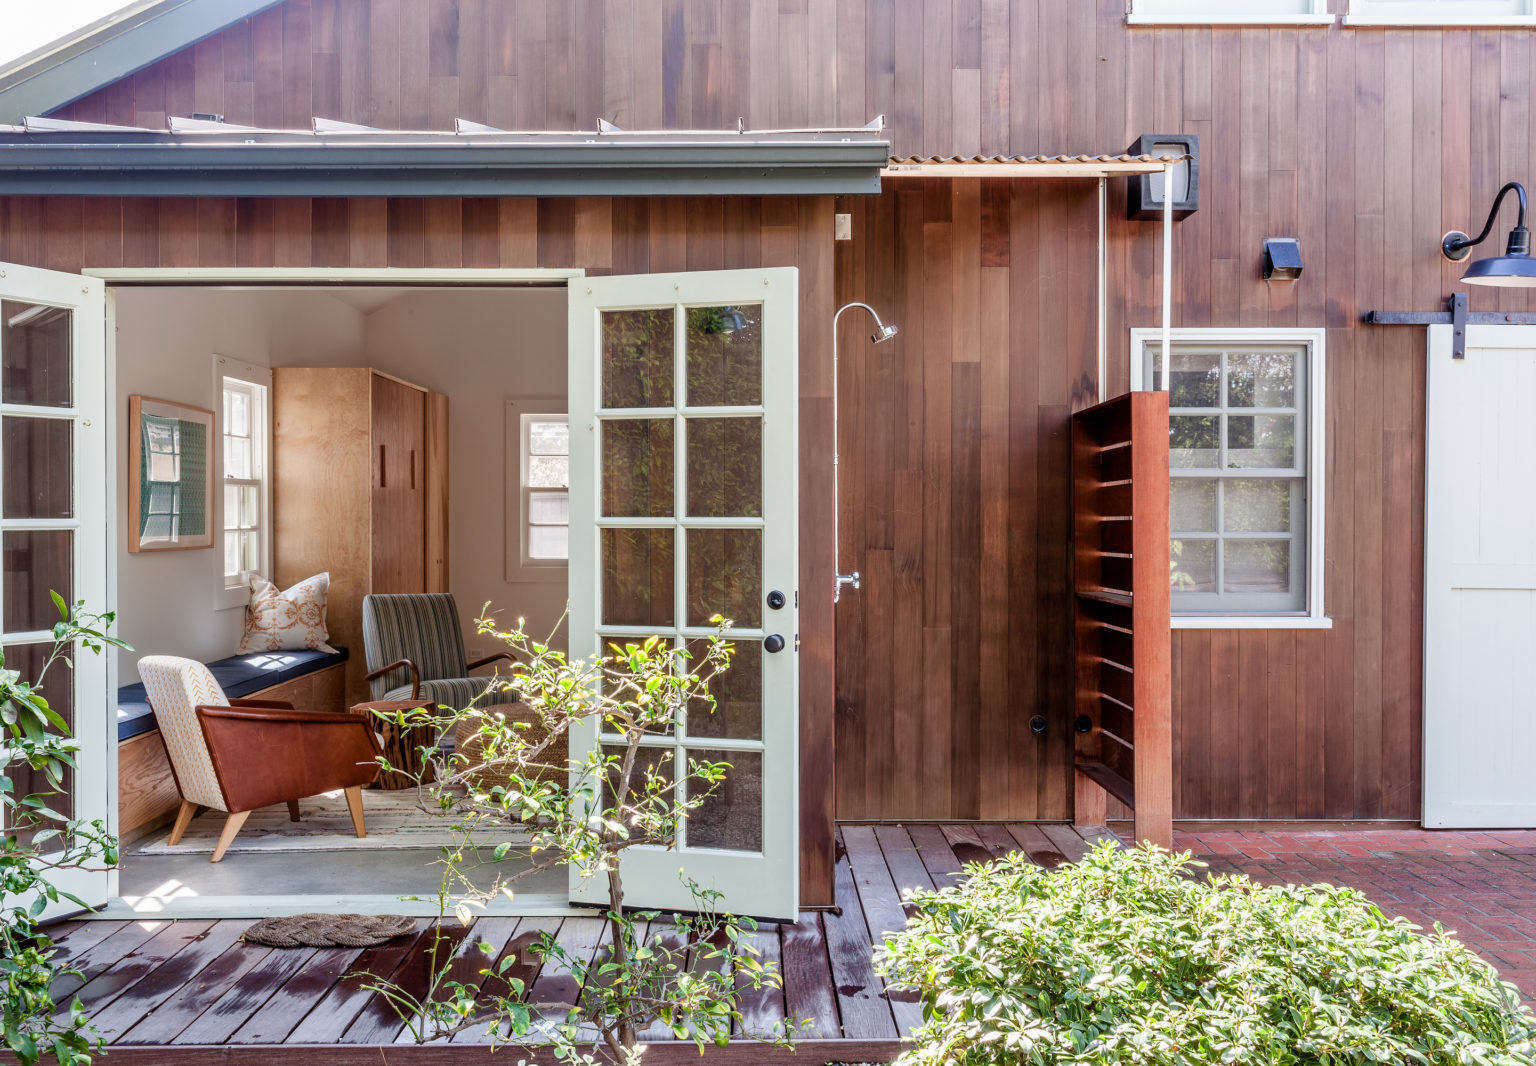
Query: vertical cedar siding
[{"x": 1365, "y": 144}]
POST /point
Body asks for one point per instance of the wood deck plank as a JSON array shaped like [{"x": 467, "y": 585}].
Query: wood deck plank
[
  {"x": 938, "y": 857},
  {"x": 179, "y": 1010},
  {"x": 903, "y": 861},
  {"x": 998, "y": 839},
  {"x": 104, "y": 954},
  {"x": 73, "y": 939},
  {"x": 167, "y": 980},
  {"x": 245, "y": 996},
  {"x": 379, "y": 1022},
  {"x": 1042, "y": 851},
  {"x": 1067, "y": 842},
  {"x": 809, "y": 995},
  {"x": 328, "y": 1021},
  {"x": 762, "y": 1009},
  {"x": 865, "y": 1012},
  {"x": 130, "y": 969},
  {"x": 525, "y": 969},
  {"x": 557, "y": 990},
  {"x": 882, "y": 909},
  {"x": 665, "y": 938},
  {"x": 966, "y": 844},
  {"x": 478, "y": 951},
  {"x": 291, "y": 1003}
]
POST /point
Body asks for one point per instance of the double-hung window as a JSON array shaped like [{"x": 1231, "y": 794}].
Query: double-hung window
[
  {"x": 245, "y": 492},
  {"x": 1245, "y": 432},
  {"x": 546, "y": 489},
  {"x": 1218, "y": 12}
]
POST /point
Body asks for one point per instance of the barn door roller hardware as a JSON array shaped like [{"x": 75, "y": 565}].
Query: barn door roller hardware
[{"x": 1456, "y": 315}]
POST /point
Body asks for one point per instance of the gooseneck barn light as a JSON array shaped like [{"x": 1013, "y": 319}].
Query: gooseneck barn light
[
  {"x": 883, "y": 333},
  {"x": 1515, "y": 268}
]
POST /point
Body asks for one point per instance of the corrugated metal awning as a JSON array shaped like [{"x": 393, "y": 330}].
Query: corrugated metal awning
[
  {"x": 201, "y": 155},
  {"x": 1025, "y": 166}
]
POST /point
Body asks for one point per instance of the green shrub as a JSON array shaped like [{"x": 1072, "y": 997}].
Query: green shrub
[{"x": 1126, "y": 958}]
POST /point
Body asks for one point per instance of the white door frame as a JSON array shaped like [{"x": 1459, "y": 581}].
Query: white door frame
[
  {"x": 1450, "y": 714},
  {"x": 317, "y": 279},
  {"x": 763, "y": 883}
]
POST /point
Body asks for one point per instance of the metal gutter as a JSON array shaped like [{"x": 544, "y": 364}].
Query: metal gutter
[
  {"x": 111, "y": 49},
  {"x": 276, "y": 163}
]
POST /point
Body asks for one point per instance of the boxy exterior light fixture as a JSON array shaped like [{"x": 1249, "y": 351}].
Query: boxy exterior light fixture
[
  {"x": 1145, "y": 200},
  {"x": 1282, "y": 259}
]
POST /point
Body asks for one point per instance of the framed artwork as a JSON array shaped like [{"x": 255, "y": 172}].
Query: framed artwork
[{"x": 170, "y": 475}]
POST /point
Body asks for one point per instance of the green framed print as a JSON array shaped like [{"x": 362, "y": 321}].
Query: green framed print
[{"x": 170, "y": 475}]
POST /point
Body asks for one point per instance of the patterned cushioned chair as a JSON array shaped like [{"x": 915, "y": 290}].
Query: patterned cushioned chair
[
  {"x": 236, "y": 756},
  {"x": 414, "y": 649}
]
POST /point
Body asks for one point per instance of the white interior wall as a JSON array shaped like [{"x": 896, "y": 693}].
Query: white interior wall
[
  {"x": 481, "y": 349},
  {"x": 168, "y": 602}
]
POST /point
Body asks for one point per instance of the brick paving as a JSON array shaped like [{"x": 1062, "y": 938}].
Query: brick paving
[{"x": 1479, "y": 885}]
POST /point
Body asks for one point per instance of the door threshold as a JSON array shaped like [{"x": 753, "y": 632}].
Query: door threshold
[{"x": 140, "y": 908}]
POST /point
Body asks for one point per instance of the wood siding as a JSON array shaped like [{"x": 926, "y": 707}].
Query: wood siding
[{"x": 1365, "y": 144}]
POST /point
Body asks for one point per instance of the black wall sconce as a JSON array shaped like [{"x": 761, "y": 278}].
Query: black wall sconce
[
  {"x": 1145, "y": 200},
  {"x": 1282, "y": 259},
  {"x": 1515, "y": 268}
]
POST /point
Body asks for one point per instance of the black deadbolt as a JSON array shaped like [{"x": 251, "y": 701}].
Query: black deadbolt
[
  {"x": 776, "y": 599},
  {"x": 773, "y": 642}
]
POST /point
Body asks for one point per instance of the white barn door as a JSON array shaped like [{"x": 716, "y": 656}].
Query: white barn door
[
  {"x": 683, "y": 505},
  {"x": 1480, "y": 580}
]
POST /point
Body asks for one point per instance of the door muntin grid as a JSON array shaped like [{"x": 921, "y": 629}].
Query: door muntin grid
[{"x": 672, "y": 452}]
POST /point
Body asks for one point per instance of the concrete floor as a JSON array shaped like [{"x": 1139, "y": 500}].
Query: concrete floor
[{"x": 169, "y": 884}]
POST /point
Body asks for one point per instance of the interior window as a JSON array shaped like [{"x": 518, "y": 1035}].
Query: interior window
[
  {"x": 1237, "y": 427},
  {"x": 546, "y": 485},
  {"x": 245, "y": 420}
]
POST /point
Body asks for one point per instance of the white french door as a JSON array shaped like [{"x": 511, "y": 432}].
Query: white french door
[
  {"x": 1480, "y": 580},
  {"x": 684, "y": 484},
  {"x": 54, "y": 519}
]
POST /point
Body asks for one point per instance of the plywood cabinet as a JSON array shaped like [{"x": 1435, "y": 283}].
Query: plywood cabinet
[{"x": 360, "y": 463}]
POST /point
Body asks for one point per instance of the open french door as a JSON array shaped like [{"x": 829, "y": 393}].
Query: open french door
[
  {"x": 683, "y": 505},
  {"x": 54, "y": 521}
]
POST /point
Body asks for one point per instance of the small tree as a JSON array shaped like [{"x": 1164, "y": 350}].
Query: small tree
[
  {"x": 39, "y": 841},
  {"x": 513, "y": 773}
]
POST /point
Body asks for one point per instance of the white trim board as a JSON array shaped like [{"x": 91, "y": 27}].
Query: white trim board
[{"x": 1315, "y": 339}]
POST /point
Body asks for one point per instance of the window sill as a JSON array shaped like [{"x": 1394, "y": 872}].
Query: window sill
[
  {"x": 1230, "y": 20},
  {"x": 1439, "y": 20},
  {"x": 231, "y": 598},
  {"x": 1250, "y": 621}
]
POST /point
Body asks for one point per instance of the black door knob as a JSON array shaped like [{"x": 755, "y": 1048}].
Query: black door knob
[
  {"x": 776, "y": 599},
  {"x": 773, "y": 642}
]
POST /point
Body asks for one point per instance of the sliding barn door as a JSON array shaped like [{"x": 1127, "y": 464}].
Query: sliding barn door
[
  {"x": 54, "y": 521},
  {"x": 1480, "y": 580},
  {"x": 683, "y": 506}
]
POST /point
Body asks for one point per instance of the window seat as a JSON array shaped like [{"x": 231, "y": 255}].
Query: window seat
[
  {"x": 147, "y": 797},
  {"x": 237, "y": 675}
]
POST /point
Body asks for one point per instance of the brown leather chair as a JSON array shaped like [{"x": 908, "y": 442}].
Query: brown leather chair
[{"x": 236, "y": 757}]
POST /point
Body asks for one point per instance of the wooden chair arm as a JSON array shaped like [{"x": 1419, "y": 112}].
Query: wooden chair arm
[
  {"x": 489, "y": 659},
  {"x": 399, "y": 664}
]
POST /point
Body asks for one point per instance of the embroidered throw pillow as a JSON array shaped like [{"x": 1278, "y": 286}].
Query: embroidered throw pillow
[{"x": 286, "y": 621}]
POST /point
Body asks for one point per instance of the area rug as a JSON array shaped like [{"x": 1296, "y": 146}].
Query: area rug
[{"x": 393, "y": 820}]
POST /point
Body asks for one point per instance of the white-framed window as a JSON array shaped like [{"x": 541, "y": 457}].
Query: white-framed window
[
  {"x": 1218, "y": 12},
  {"x": 1246, "y": 419},
  {"x": 244, "y": 473},
  {"x": 538, "y": 507},
  {"x": 1441, "y": 13}
]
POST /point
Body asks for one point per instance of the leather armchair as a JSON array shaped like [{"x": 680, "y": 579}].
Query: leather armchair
[{"x": 238, "y": 755}]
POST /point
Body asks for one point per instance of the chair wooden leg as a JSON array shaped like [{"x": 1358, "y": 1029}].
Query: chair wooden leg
[
  {"x": 293, "y": 810},
  {"x": 227, "y": 837},
  {"x": 355, "y": 805},
  {"x": 184, "y": 817}
]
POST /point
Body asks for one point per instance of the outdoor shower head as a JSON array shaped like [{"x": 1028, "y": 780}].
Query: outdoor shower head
[{"x": 884, "y": 333}]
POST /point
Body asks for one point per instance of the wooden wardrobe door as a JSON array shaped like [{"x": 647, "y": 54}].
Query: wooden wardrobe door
[{"x": 399, "y": 486}]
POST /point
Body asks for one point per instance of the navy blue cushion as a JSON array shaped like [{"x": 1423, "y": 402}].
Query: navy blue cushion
[{"x": 238, "y": 675}]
